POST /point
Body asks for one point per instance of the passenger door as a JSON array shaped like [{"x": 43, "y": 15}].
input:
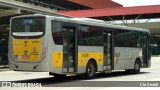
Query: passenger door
[
  {"x": 145, "y": 47},
  {"x": 107, "y": 50},
  {"x": 69, "y": 48}
]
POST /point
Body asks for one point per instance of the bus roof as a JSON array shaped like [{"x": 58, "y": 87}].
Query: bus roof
[
  {"x": 87, "y": 21},
  {"x": 95, "y": 22}
]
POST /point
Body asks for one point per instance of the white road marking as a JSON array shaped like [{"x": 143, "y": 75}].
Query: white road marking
[
  {"x": 69, "y": 88},
  {"x": 140, "y": 77}
]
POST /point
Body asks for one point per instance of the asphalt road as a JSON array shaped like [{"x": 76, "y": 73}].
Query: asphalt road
[{"x": 147, "y": 77}]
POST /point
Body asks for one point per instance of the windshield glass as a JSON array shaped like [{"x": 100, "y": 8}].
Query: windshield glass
[{"x": 28, "y": 26}]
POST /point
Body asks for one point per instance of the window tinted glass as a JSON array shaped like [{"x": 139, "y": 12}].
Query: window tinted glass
[
  {"x": 124, "y": 38},
  {"x": 90, "y": 36},
  {"x": 34, "y": 26},
  {"x": 57, "y": 32}
]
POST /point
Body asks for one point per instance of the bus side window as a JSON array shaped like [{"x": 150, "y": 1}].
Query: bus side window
[
  {"x": 96, "y": 35},
  {"x": 83, "y": 35},
  {"x": 119, "y": 39},
  {"x": 56, "y": 32},
  {"x": 91, "y": 36}
]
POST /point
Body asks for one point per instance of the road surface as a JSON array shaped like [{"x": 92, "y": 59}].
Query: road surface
[{"x": 111, "y": 79}]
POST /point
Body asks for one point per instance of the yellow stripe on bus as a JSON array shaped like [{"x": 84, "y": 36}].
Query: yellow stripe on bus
[
  {"x": 83, "y": 58},
  {"x": 57, "y": 59}
]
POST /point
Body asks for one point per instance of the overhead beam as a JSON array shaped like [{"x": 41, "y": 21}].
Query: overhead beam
[
  {"x": 28, "y": 7},
  {"x": 134, "y": 19},
  {"x": 9, "y": 12}
]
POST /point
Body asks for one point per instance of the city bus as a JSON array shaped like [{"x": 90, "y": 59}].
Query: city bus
[{"x": 62, "y": 46}]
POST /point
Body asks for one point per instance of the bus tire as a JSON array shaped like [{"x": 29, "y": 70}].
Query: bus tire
[
  {"x": 90, "y": 70},
  {"x": 136, "y": 69}
]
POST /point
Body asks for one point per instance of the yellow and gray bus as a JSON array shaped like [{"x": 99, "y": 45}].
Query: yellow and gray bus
[{"x": 62, "y": 46}]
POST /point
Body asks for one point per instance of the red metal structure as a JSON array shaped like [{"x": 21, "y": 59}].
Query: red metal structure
[
  {"x": 97, "y": 3},
  {"x": 143, "y": 12}
]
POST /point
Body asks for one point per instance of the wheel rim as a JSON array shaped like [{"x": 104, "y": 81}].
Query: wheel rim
[{"x": 90, "y": 70}]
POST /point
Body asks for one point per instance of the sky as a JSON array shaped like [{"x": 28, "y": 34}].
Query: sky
[{"x": 127, "y": 3}]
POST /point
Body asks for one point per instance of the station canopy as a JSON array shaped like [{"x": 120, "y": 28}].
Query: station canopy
[{"x": 120, "y": 13}]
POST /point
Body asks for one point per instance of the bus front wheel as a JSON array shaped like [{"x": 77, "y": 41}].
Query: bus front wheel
[{"x": 90, "y": 70}]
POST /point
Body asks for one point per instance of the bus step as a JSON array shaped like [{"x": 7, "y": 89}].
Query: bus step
[
  {"x": 108, "y": 71},
  {"x": 107, "y": 67}
]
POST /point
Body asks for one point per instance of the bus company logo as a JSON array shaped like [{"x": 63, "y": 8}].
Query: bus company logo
[
  {"x": 25, "y": 43},
  {"x": 59, "y": 55}
]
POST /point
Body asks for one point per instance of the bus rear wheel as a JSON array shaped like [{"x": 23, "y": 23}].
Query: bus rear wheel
[
  {"x": 136, "y": 69},
  {"x": 90, "y": 70}
]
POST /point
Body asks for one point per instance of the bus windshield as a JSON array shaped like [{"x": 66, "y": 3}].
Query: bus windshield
[{"x": 30, "y": 26}]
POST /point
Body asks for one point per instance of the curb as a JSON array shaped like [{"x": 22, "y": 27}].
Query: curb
[{"x": 4, "y": 69}]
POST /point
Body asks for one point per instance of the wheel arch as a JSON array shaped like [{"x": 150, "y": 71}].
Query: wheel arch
[
  {"x": 138, "y": 60},
  {"x": 95, "y": 62}
]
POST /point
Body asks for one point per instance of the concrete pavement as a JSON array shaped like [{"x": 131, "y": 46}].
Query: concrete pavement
[{"x": 147, "y": 74}]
